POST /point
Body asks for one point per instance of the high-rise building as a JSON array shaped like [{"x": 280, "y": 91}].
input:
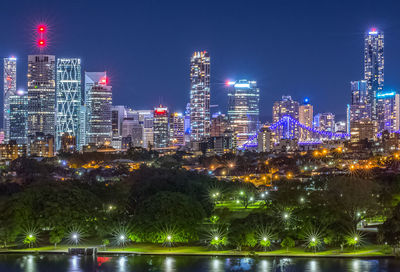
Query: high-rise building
[
  {"x": 41, "y": 94},
  {"x": 388, "y": 107},
  {"x": 306, "y": 111},
  {"x": 10, "y": 88},
  {"x": 98, "y": 100},
  {"x": 177, "y": 129},
  {"x": 373, "y": 66},
  {"x": 69, "y": 98},
  {"x": 324, "y": 122},
  {"x": 118, "y": 113},
  {"x": 219, "y": 124},
  {"x": 161, "y": 127},
  {"x": 243, "y": 109},
  {"x": 82, "y": 127},
  {"x": 286, "y": 107},
  {"x": 360, "y": 107},
  {"x": 200, "y": 95},
  {"x": 18, "y": 104},
  {"x": 364, "y": 129}
]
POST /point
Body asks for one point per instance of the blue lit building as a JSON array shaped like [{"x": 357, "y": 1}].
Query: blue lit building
[{"x": 387, "y": 103}]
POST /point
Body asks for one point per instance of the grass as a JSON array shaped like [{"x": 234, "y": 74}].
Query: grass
[{"x": 365, "y": 251}]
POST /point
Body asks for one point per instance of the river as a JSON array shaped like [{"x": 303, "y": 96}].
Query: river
[{"x": 61, "y": 263}]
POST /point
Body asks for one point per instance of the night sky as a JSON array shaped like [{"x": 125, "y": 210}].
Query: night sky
[{"x": 300, "y": 48}]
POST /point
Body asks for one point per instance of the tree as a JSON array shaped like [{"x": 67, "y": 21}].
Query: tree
[
  {"x": 287, "y": 243},
  {"x": 56, "y": 235},
  {"x": 391, "y": 228}
]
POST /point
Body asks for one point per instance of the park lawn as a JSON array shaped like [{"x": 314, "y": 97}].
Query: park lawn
[
  {"x": 233, "y": 206},
  {"x": 370, "y": 250}
]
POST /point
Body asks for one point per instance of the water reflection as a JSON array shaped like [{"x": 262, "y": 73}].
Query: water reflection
[{"x": 65, "y": 263}]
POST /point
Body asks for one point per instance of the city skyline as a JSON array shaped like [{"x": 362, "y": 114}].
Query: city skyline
[{"x": 229, "y": 61}]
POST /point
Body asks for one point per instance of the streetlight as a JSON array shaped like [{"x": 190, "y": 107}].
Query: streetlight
[
  {"x": 216, "y": 238},
  {"x": 169, "y": 237}
]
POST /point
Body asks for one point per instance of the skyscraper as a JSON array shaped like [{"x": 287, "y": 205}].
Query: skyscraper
[
  {"x": 161, "y": 127},
  {"x": 243, "y": 109},
  {"x": 10, "y": 88},
  {"x": 388, "y": 107},
  {"x": 360, "y": 108},
  {"x": 41, "y": 94},
  {"x": 286, "y": 107},
  {"x": 200, "y": 95},
  {"x": 98, "y": 101},
  {"x": 177, "y": 129},
  {"x": 69, "y": 98},
  {"x": 18, "y": 103},
  {"x": 306, "y": 112},
  {"x": 373, "y": 66}
]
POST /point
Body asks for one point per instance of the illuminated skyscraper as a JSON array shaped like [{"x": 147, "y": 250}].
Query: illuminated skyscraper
[
  {"x": 41, "y": 94},
  {"x": 69, "y": 98},
  {"x": 18, "y": 103},
  {"x": 98, "y": 101},
  {"x": 243, "y": 109},
  {"x": 177, "y": 129},
  {"x": 200, "y": 95},
  {"x": 10, "y": 88},
  {"x": 373, "y": 66},
  {"x": 161, "y": 127},
  {"x": 360, "y": 108},
  {"x": 286, "y": 107},
  {"x": 306, "y": 112},
  {"x": 388, "y": 107}
]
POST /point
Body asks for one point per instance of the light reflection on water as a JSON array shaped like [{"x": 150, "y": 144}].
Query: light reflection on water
[{"x": 65, "y": 263}]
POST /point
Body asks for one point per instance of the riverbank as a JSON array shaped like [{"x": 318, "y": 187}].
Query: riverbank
[{"x": 373, "y": 251}]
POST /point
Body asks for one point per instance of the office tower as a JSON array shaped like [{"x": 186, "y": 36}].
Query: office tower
[
  {"x": 10, "y": 88},
  {"x": 41, "y": 94},
  {"x": 160, "y": 127},
  {"x": 360, "y": 108},
  {"x": 148, "y": 132},
  {"x": 306, "y": 116},
  {"x": 118, "y": 113},
  {"x": 68, "y": 143},
  {"x": 364, "y": 129},
  {"x": 82, "y": 127},
  {"x": 388, "y": 106},
  {"x": 324, "y": 122},
  {"x": 98, "y": 100},
  {"x": 18, "y": 104},
  {"x": 219, "y": 124},
  {"x": 177, "y": 129},
  {"x": 69, "y": 98},
  {"x": 373, "y": 66},
  {"x": 286, "y": 107},
  {"x": 243, "y": 109},
  {"x": 200, "y": 95}
]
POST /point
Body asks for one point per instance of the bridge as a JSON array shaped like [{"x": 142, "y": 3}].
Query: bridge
[{"x": 289, "y": 128}]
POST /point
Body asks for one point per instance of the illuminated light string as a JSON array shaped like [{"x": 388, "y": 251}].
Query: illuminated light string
[{"x": 286, "y": 122}]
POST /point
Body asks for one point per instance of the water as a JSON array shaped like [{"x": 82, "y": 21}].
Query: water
[{"x": 61, "y": 263}]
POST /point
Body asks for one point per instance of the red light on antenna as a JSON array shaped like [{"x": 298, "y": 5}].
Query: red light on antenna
[
  {"x": 41, "y": 43},
  {"x": 104, "y": 80},
  {"x": 41, "y": 28}
]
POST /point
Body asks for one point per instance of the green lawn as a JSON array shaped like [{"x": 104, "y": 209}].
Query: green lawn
[{"x": 371, "y": 250}]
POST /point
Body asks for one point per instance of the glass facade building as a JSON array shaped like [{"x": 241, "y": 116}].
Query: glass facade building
[
  {"x": 98, "y": 102},
  {"x": 69, "y": 98},
  {"x": 41, "y": 94},
  {"x": 243, "y": 109},
  {"x": 161, "y": 127},
  {"x": 18, "y": 103},
  {"x": 10, "y": 88}
]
